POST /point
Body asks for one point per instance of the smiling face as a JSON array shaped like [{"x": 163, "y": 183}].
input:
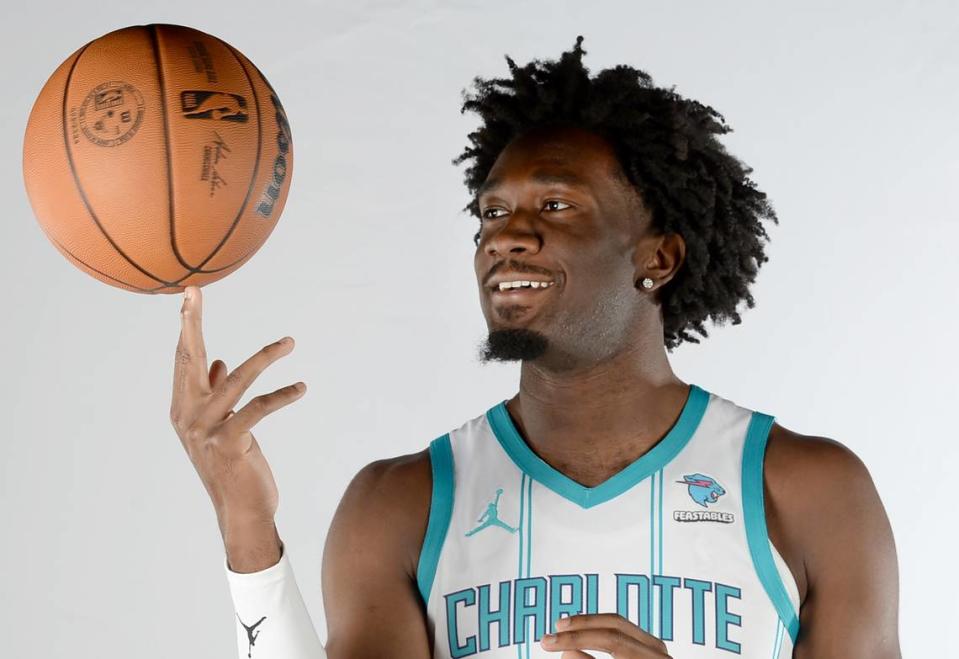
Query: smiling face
[{"x": 556, "y": 209}]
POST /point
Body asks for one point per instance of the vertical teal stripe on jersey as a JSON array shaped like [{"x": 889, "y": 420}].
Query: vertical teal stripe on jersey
[
  {"x": 522, "y": 534},
  {"x": 657, "y": 619},
  {"x": 652, "y": 551},
  {"x": 777, "y": 644},
  {"x": 660, "y": 571},
  {"x": 529, "y": 526},
  {"x": 522, "y": 520},
  {"x": 529, "y": 552},
  {"x": 754, "y": 513},
  {"x": 441, "y": 510}
]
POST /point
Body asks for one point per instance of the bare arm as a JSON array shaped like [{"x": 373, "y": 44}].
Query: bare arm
[
  {"x": 373, "y": 607},
  {"x": 268, "y": 607},
  {"x": 832, "y": 514}
]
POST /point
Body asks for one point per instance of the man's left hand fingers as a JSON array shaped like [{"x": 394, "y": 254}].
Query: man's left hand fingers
[
  {"x": 610, "y": 641},
  {"x": 612, "y": 633}
]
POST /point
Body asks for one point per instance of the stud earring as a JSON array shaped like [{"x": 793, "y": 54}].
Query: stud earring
[{"x": 647, "y": 283}]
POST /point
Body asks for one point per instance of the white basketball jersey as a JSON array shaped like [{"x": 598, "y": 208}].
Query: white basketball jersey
[{"x": 676, "y": 542}]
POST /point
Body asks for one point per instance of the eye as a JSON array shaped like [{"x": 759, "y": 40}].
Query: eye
[{"x": 486, "y": 216}]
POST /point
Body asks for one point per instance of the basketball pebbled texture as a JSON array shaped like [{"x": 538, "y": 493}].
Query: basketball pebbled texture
[{"x": 157, "y": 157}]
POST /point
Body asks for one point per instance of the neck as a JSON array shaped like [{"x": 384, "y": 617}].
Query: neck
[{"x": 591, "y": 422}]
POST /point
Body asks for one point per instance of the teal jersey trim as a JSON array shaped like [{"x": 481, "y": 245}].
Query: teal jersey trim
[
  {"x": 651, "y": 601},
  {"x": 525, "y": 553},
  {"x": 529, "y": 527},
  {"x": 586, "y": 497},
  {"x": 441, "y": 510},
  {"x": 754, "y": 512},
  {"x": 530, "y": 638},
  {"x": 522, "y": 536},
  {"x": 660, "y": 523},
  {"x": 777, "y": 644}
]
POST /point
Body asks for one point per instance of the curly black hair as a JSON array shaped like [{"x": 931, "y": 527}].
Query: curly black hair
[{"x": 667, "y": 149}]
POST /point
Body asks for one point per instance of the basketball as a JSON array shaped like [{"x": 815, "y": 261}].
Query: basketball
[{"x": 156, "y": 157}]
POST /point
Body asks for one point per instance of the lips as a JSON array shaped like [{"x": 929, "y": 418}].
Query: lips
[{"x": 522, "y": 296}]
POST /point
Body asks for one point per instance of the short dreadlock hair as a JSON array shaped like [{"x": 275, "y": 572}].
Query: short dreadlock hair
[{"x": 667, "y": 148}]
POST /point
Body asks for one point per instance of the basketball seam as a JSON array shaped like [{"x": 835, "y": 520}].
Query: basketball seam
[
  {"x": 155, "y": 43},
  {"x": 84, "y": 263},
  {"x": 73, "y": 256},
  {"x": 166, "y": 122},
  {"x": 256, "y": 162},
  {"x": 88, "y": 207},
  {"x": 76, "y": 179}
]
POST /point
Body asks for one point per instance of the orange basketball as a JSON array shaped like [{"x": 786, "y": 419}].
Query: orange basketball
[{"x": 156, "y": 157}]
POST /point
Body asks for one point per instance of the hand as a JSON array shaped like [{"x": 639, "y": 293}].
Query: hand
[
  {"x": 218, "y": 441},
  {"x": 606, "y": 632}
]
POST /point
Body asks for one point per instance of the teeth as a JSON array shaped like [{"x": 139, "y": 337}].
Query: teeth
[{"x": 506, "y": 285}]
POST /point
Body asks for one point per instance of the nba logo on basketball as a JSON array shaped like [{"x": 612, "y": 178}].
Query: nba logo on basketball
[{"x": 213, "y": 105}]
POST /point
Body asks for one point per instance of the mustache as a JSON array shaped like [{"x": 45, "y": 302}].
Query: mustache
[{"x": 515, "y": 266}]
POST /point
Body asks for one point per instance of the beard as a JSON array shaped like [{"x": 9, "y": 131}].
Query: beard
[{"x": 515, "y": 344}]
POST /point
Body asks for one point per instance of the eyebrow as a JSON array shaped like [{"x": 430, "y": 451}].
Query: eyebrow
[{"x": 555, "y": 178}]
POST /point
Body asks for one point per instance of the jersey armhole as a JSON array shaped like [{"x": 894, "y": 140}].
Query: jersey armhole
[
  {"x": 754, "y": 513},
  {"x": 441, "y": 510}
]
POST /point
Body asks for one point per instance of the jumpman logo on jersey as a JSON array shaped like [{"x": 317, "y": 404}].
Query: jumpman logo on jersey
[
  {"x": 491, "y": 517},
  {"x": 250, "y": 635}
]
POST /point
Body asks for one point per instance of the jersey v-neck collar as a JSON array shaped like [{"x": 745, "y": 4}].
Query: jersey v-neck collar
[{"x": 586, "y": 497}]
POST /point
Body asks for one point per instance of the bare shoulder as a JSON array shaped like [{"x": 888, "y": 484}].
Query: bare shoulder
[
  {"x": 370, "y": 560},
  {"x": 811, "y": 468},
  {"x": 387, "y": 504},
  {"x": 808, "y": 476},
  {"x": 812, "y": 451},
  {"x": 825, "y": 516}
]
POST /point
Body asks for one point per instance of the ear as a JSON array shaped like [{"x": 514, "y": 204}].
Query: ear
[{"x": 659, "y": 257}]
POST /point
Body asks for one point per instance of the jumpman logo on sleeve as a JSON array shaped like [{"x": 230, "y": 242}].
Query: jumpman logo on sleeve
[
  {"x": 491, "y": 517},
  {"x": 249, "y": 632}
]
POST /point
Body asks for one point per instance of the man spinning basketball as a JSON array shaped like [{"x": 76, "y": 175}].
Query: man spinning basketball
[{"x": 609, "y": 506}]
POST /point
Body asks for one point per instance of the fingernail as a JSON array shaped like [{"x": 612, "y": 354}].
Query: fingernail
[
  {"x": 186, "y": 293},
  {"x": 286, "y": 339},
  {"x": 549, "y": 638}
]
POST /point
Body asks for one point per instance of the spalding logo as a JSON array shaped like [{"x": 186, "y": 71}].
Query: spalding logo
[{"x": 283, "y": 138}]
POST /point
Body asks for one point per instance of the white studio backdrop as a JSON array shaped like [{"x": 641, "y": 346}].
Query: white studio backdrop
[{"x": 846, "y": 111}]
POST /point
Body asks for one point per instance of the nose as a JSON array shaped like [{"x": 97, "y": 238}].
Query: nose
[{"x": 515, "y": 235}]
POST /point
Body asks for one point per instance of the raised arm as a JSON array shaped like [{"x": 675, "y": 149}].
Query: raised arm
[
  {"x": 373, "y": 607},
  {"x": 269, "y": 611}
]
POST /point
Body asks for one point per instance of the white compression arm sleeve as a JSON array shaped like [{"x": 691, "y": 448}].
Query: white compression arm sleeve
[{"x": 271, "y": 618}]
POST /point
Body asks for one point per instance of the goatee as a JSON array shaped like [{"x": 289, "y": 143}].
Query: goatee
[{"x": 515, "y": 344}]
